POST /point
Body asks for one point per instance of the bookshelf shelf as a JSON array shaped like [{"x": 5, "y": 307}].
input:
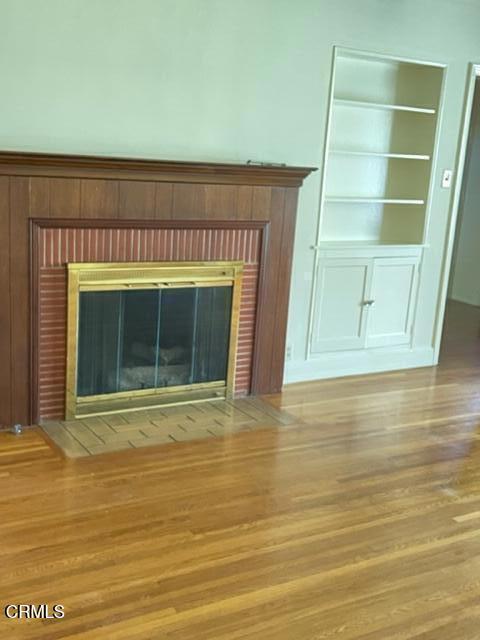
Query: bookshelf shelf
[
  {"x": 377, "y": 154},
  {"x": 381, "y": 137},
  {"x": 363, "y": 104},
  {"x": 362, "y": 200}
]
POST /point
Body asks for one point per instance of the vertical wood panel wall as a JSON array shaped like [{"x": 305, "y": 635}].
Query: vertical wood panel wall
[{"x": 36, "y": 186}]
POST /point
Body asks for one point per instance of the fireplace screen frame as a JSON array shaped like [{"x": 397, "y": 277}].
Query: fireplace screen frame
[{"x": 128, "y": 276}]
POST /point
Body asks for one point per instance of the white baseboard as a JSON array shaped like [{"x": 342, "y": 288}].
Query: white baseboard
[{"x": 350, "y": 363}]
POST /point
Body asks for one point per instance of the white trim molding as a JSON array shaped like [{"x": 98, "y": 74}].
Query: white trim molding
[{"x": 473, "y": 74}]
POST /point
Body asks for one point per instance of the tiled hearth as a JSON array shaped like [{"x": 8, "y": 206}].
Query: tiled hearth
[{"x": 131, "y": 430}]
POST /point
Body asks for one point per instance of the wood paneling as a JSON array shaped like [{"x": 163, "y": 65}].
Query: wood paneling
[
  {"x": 5, "y": 291},
  {"x": 136, "y": 200},
  {"x": 163, "y": 200},
  {"x": 20, "y": 300},
  {"x": 130, "y": 192},
  {"x": 99, "y": 199},
  {"x": 221, "y": 201},
  {"x": 39, "y": 205},
  {"x": 244, "y": 202},
  {"x": 283, "y": 287},
  {"x": 64, "y": 198},
  {"x": 261, "y": 199},
  {"x": 271, "y": 325},
  {"x": 188, "y": 201}
]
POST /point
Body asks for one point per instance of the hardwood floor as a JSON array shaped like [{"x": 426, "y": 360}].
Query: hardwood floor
[{"x": 360, "y": 522}]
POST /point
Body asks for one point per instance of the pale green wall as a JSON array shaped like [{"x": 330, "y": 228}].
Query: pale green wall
[
  {"x": 220, "y": 80},
  {"x": 465, "y": 285}
]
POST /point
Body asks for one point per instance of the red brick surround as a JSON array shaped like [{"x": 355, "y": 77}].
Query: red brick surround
[{"x": 58, "y": 246}]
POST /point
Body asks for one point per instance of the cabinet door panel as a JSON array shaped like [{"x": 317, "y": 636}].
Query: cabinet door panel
[
  {"x": 394, "y": 283},
  {"x": 339, "y": 312}
]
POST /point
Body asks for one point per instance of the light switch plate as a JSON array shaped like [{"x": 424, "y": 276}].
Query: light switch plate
[{"x": 447, "y": 179}]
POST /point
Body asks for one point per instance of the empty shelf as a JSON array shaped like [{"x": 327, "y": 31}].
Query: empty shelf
[
  {"x": 380, "y": 105},
  {"x": 359, "y": 200},
  {"x": 377, "y": 154}
]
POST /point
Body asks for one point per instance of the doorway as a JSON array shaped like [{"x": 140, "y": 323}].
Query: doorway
[{"x": 461, "y": 328}]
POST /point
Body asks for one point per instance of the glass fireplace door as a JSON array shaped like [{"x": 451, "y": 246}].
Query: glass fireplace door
[
  {"x": 149, "y": 339},
  {"x": 137, "y": 331}
]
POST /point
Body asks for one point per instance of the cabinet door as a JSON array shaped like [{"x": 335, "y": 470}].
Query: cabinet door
[
  {"x": 339, "y": 311},
  {"x": 393, "y": 292}
]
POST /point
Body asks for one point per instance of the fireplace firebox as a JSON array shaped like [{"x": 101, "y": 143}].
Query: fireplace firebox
[{"x": 146, "y": 334}]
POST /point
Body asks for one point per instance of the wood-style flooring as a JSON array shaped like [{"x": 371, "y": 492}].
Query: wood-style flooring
[{"x": 361, "y": 521}]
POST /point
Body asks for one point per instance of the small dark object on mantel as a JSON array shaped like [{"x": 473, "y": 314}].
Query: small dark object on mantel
[{"x": 256, "y": 163}]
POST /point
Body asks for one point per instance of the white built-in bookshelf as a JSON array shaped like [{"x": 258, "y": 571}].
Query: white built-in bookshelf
[{"x": 380, "y": 148}]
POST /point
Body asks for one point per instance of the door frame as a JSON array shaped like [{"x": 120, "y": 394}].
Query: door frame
[{"x": 472, "y": 75}]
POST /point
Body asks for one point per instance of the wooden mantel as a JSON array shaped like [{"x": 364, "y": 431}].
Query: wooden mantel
[
  {"x": 47, "y": 190},
  {"x": 43, "y": 164}
]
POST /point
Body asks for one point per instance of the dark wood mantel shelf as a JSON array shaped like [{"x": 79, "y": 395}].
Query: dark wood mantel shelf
[{"x": 79, "y": 166}]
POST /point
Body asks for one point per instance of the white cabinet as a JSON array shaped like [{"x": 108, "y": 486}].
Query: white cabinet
[
  {"x": 394, "y": 286},
  {"x": 380, "y": 155},
  {"x": 363, "y": 302},
  {"x": 340, "y": 314}
]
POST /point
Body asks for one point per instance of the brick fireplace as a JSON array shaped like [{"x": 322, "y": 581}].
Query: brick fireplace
[
  {"x": 56, "y": 247},
  {"x": 55, "y": 210}
]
